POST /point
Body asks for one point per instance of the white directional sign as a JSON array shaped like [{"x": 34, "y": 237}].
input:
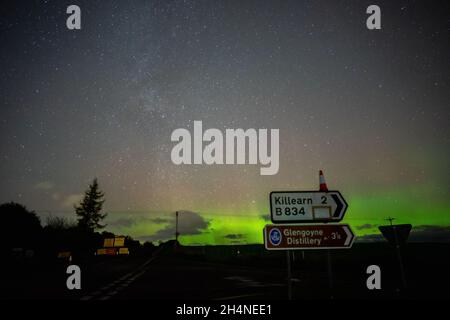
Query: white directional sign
[{"x": 307, "y": 206}]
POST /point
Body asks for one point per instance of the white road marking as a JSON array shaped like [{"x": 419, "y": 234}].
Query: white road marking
[
  {"x": 120, "y": 283},
  {"x": 237, "y": 297}
]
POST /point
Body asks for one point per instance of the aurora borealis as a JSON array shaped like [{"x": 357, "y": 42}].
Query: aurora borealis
[{"x": 370, "y": 108}]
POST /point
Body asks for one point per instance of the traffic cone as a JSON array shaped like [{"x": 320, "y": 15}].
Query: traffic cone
[{"x": 323, "y": 184}]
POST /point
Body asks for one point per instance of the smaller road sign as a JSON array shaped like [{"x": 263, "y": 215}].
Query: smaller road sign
[
  {"x": 312, "y": 236},
  {"x": 119, "y": 241},
  {"x": 108, "y": 242},
  {"x": 396, "y": 234}
]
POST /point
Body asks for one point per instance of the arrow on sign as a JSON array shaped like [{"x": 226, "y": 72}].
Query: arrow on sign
[
  {"x": 350, "y": 235},
  {"x": 307, "y": 206},
  {"x": 341, "y": 205},
  {"x": 303, "y": 237}
]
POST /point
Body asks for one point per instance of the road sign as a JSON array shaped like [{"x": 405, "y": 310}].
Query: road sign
[
  {"x": 396, "y": 234},
  {"x": 311, "y": 236},
  {"x": 119, "y": 241},
  {"x": 111, "y": 251},
  {"x": 108, "y": 242},
  {"x": 106, "y": 251},
  {"x": 307, "y": 206},
  {"x": 124, "y": 251},
  {"x": 101, "y": 251},
  {"x": 64, "y": 254}
]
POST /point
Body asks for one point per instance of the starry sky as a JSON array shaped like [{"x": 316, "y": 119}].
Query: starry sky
[{"x": 369, "y": 107}]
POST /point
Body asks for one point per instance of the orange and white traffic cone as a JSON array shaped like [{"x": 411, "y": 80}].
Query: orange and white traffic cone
[{"x": 323, "y": 184}]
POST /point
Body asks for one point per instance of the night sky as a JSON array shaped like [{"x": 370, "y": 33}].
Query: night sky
[{"x": 370, "y": 108}]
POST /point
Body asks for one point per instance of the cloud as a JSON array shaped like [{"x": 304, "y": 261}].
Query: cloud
[
  {"x": 71, "y": 200},
  {"x": 370, "y": 238},
  {"x": 128, "y": 222},
  {"x": 160, "y": 220},
  {"x": 150, "y": 238},
  {"x": 430, "y": 233},
  {"x": 189, "y": 223},
  {"x": 122, "y": 222},
  {"x": 44, "y": 185},
  {"x": 235, "y": 236},
  {"x": 423, "y": 233},
  {"x": 366, "y": 226}
]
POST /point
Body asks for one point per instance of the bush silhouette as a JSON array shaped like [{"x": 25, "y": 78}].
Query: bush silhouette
[{"x": 21, "y": 227}]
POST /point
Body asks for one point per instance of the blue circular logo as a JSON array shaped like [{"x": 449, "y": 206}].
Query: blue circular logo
[{"x": 275, "y": 236}]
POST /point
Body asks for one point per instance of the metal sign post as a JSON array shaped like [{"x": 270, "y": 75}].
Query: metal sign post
[
  {"x": 330, "y": 273},
  {"x": 399, "y": 257},
  {"x": 289, "y": 274},
  {"x": 397, "y": 236}
]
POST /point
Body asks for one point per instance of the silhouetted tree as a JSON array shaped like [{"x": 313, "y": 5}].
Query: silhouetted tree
[
  {"x": 149, "y": 246},
  {"x": 59, "y": 223},
  {"x": 131, "y": 243},
  {"x": 107, "y": 234},
  {"x": 89, "y": 210},
  {"x": 21, "y": 227}
]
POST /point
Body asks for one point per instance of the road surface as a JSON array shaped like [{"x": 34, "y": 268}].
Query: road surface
[{"x": 171, "y": 277}]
